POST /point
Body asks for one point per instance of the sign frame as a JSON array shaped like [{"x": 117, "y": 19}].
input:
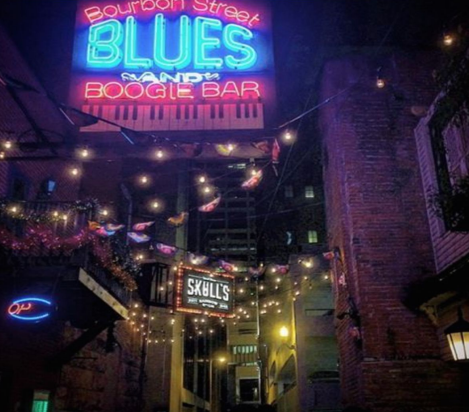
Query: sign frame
[{"x": 182, "y": 300}]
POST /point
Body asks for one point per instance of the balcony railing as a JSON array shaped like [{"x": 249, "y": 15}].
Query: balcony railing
[{"x": 58, "y": 233}]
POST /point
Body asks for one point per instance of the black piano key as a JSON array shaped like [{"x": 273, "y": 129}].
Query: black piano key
[
  {"x": 254, "y": 111},
  {"x": 126, "y": 113},
  {"x": 135, "y": 113},
  {"x": 160, "y": 112},
  {"x": 152, "y": 113},
  {"x": 118, "y": 112},
  {"x": 221, "y": 112}
]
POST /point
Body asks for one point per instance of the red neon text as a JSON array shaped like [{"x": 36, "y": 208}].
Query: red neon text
[
  {"x": 172, "y": 91},
  {"x": 96, "y": 13},
  {"x": 225, "y": 10},
  {"x": 17, "y": 308},
  {"x": 245, "y": 90}
]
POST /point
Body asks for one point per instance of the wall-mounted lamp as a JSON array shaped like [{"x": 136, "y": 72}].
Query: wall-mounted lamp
[
  {"x": 458, "y": 338},
  {"x": 284, "y": 334}
]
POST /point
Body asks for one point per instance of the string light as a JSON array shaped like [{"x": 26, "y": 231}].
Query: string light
[
  {"x": 159, "y": 153},
  {"x": 2, "y": 155},
  {"x": 84, "y": 153},
  {"x": 144, "y": 179},
  {"x": 202, "y": 179},
  {"x": 380, "y": 83},
  {"x": 74, "y": 171},
  {"x": 155, "y": 205},
  {"x": 7, "y": 144},
  {"x": 448, "y": 39}
]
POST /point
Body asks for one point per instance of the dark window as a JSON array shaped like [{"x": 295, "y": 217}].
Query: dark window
[{"x": 249, "y": 390}]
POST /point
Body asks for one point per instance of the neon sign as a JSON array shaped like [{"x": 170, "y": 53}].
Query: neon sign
[
  {"x": 203, "y": 292},
  {"x": 30, "y": 309},
  {"x": 172, "y": 52}
]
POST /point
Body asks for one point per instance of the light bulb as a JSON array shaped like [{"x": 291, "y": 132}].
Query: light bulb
[
  {"x": 155, "y": 205},
  {"x": 207, "y": 189},
  {"x": 144, "y": 180},
  {"x": 448, "y": 39},
  {"x": 74, "y": 171},
  {"x": 202, "y": 179},
  {"x": 7, "y": 144},
  {"x": 84, "y": 153},
  {"x": 159, "y": 154},
  {"x": 288, "y": 136},
  {"x": 380, "y": 83},
  {"x": 2, "y": 154}
]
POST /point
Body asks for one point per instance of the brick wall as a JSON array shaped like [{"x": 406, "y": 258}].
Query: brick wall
[{"x": 376, "y": 216}]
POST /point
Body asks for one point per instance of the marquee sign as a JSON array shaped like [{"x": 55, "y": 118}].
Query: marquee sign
[
  {"x": 203, "y": 292},
  {"x": 30, "y": 309},
  {"x": 174, "y": 64}
]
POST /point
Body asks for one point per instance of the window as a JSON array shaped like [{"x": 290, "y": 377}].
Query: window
[
  {"x": 249, "y": 390},
  {"x": 309, "y": 192},
  {"x": 312, "y": 236},
  {"x": 456, "y": 139},
  {"x": 41, "y": 401},
  {"x": 289, "y": 191}
]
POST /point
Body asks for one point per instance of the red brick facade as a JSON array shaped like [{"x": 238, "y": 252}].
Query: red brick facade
[{"x": 376, "y": 213}]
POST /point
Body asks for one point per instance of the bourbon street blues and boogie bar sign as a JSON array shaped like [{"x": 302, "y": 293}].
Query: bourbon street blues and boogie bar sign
[
  {"x": 203, "y": 292},
  {"x": 174, "y": 64}
]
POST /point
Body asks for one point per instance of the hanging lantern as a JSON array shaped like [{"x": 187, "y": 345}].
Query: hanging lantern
[{"x": 458, "y": 338}]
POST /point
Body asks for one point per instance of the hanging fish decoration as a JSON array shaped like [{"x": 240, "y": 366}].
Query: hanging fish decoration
[
  {"x": 275, "y": 152},
  {"x": 139, "y": 227},
  {"x": 275, "y": 156},
  {"x": 166, "y": 249},
  {"x": 281, "y": 269},
  {"x": 210, "y": 207},
  {"x": 179, "y": 219},
  {"x": 138, "y": 237},
  {"x": 256, "y": 272},
  {"x": 253, "y": 181},
  {"x": 114, "y": 227},
  {"x": 263, "y": 146},
  {"x": 225, "y": 149},
  {"x": 93, "y": 225},
  {"x": 105, "y": 233},
  {"x": 226, "y": 266},
  {"x": 195, "y": 259}
]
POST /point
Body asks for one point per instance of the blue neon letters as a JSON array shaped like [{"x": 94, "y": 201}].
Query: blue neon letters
[{"x": 201, "y": 43}]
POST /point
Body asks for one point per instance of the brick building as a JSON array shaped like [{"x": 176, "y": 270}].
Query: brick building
[
  {"x": 386, "y": 238},
  {"x": 82, "y": 356}
]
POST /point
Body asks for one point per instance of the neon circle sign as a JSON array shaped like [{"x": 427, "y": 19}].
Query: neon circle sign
[
  {"x": 30, "y": 309},
  {"x": 172, "y": 52}
]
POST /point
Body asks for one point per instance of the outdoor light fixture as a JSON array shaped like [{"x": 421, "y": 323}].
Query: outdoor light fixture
[
  {"x": 7, "y": 144},
  {"x": 448, "y": 39},
  {"x": 458, "y": 338},
  {"x": 159, "y": 153},
  {"x": 380, "y": 83},
  {"x": 284, "y": 334}
]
